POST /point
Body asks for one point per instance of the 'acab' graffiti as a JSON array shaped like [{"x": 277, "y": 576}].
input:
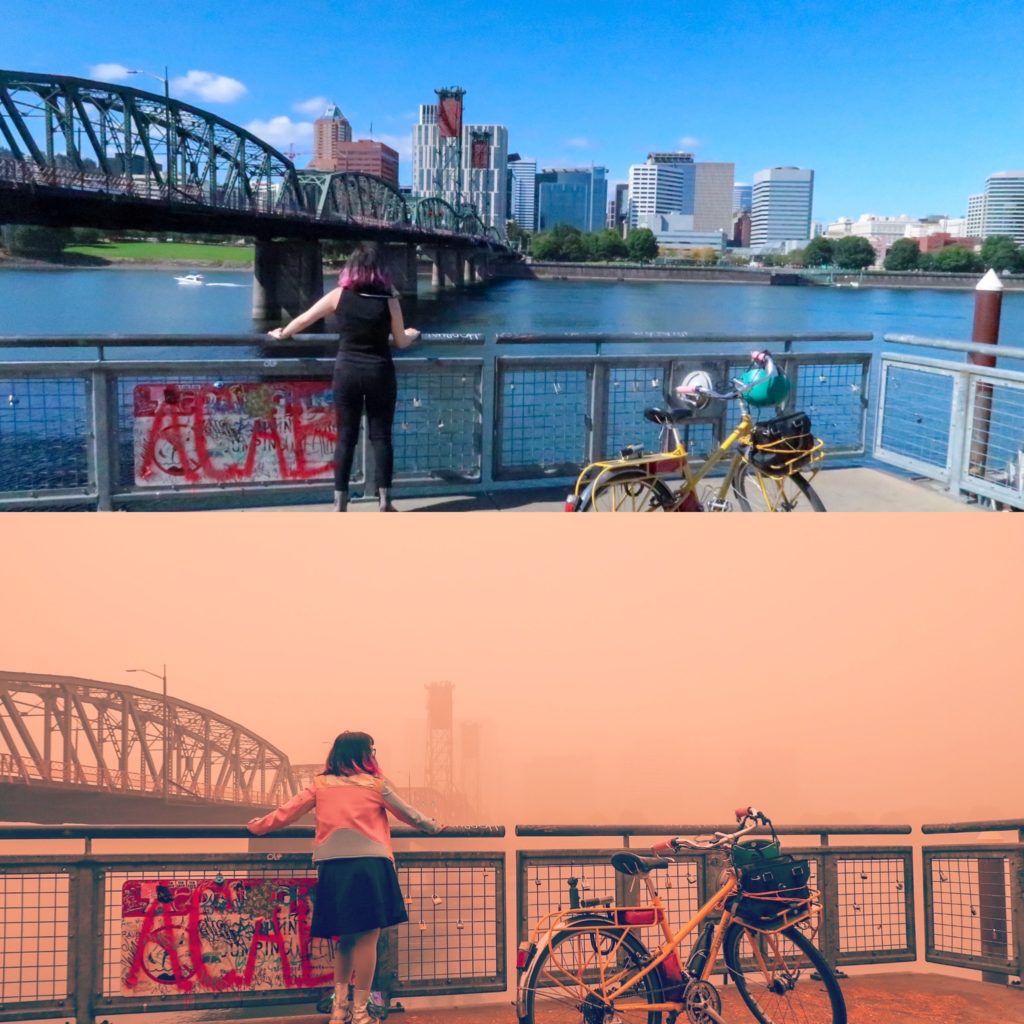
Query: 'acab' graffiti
[
  {"x": 233, "y": 433},
  {"x": 220, "y": 934}
]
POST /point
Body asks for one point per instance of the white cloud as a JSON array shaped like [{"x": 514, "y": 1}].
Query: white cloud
[
  {"x": 282, "y": 132},
  {"x": 579, "y": 142},
  {"x": 208, "y": 86},
  {"x": 314, "y": 107},
  {"x": 688, "y": 142},
  {"x": 109, "y": 72}
]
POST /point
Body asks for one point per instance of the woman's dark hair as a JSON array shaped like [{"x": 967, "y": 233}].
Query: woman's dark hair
[
  {"x": 365, "y": 269},
  {"x": 352, "y": 754}
]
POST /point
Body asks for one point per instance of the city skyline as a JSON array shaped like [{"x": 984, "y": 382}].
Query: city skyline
[{"x": 745, "y": 86}]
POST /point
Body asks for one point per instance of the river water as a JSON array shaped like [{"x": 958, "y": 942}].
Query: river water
[{"x": 103, "y": 302}]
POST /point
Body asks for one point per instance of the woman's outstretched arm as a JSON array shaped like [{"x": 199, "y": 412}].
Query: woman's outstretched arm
[
  {"x": 402, "y": 336},
  {"x": 328, "y": 304},
  {"x": 288, "y": 812}
]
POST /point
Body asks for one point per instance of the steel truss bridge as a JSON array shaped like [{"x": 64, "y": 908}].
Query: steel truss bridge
[
  {"x": 73, "y": 749},
  {"x": 75, "y": 152}
]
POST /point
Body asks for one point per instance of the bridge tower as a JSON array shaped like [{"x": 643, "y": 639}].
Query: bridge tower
[
  {"x": 440, "y": 747},
  {"x": 448, "y": 180}
]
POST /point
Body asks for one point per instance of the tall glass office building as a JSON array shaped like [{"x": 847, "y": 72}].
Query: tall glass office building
[
  {"x": 577, "y": 196},
  {"x": 1003, "y": 207},
  {"x": 523, "y": 193}
]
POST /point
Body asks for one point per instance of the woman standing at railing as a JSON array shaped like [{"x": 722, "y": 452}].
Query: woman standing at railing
[
  {"x": 364, "y": 374},
  {"x": 357, "y": 892}
]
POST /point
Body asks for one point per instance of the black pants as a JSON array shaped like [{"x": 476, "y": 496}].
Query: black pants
[{"x": 371, "y": 384}]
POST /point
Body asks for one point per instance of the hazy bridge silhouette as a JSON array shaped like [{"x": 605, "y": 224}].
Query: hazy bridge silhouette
[
  {"x": 86, "y": 153},
  {"x": 82, "y": 750}
]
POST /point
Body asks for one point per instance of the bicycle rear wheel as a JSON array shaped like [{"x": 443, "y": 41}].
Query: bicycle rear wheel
[
  {"x": 757, "y": 492},
  {"x": 568, "y": 981},
  {"x": 772, "y": 973},
  {"x": 628, "y": 490}
]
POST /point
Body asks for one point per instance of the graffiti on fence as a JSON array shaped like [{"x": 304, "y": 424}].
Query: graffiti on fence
[
  {"x": 220, "y": 934},
  {"x": 227, "y": 433}
]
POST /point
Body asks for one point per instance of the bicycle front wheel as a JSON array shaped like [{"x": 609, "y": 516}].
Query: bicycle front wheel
[
  {"x": 584, "y": 977},
  {"x": 772, "y": 973},
  {"x": 629, "y": 490},
  {"x": 757, "y": 492}
]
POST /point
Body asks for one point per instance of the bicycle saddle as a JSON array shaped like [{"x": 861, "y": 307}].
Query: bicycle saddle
[
  {"x": 627, "y": 863},
  {"x": 666, "y": 416}
]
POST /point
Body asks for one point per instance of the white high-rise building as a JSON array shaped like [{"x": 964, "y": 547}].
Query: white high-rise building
[
  {"x": 665, "y": 184},
  {"x": 483, "y": 186},
  {"x": 781, "y": 208},
  {"x": 975, "y": 215},
  {"x": 712, "y": 196},
  {"x": 1004, "y": 205},
  {"x": 524, "y": 193}
]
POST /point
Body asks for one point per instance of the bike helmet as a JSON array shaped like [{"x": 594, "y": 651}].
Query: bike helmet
[{"x": 762, "y": 387}]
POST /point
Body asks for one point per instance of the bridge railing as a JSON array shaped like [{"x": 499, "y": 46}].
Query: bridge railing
[
  {"x": 974, "y": 899},
  {"x": 951, "y": 421},
  {"x": 472, "y": 416}
]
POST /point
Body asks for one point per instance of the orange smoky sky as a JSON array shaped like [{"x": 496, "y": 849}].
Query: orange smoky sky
[{"x": 828, "y": 668}]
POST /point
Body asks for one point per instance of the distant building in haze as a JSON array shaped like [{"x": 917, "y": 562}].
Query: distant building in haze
[
  {"x": 712, "y": 196},
  {"x": 676, "y": 183},
  {"x": 742, "y": 197},
  {"x": 975, "y": 214}
]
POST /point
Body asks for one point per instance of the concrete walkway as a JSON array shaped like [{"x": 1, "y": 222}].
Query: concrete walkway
[
  {"x": 842, "y": 490},
  {"x": 895, "y": 998}
]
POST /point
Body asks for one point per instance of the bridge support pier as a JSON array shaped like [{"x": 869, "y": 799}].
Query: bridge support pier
[
  {"x": 402, "y": 264},
  {"x": 447, "y": 272},
  {"x": 469, "y": 270},
  {"x": 287, "y": 279}
]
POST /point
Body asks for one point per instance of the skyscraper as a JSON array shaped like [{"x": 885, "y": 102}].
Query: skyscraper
[
  {"x": 523, "y": 193},
  {"x": 329, "y": 132},
  {"x": 712, "y": 196},
  {"x": 1004, "y": 205},
  {"x": 479, "y": 178},
  {"x": 782, "y": 199},
  {"x": 742, "y": 197},
  {"x": 664, "y": 184},
  {"x": 576, "y": 196},
  {"x": 975, "y": 216}
]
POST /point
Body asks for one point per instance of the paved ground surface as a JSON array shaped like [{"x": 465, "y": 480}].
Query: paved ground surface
[
  {"x": 842, "y": 490},
  {"x": 871, "y": 999}
]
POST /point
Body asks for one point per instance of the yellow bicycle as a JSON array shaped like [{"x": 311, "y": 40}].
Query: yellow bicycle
[
  {"x": 770, "y": 463},
  {"x": 587, "y": 965}
]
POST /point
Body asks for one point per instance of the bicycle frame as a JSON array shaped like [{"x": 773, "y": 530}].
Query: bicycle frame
[
  {"x": 680, "y": 455},
  {"x": 560, "y": 922}
]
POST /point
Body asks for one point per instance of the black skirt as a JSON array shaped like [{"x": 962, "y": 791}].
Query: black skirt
[{"x": 356, "y": 894}]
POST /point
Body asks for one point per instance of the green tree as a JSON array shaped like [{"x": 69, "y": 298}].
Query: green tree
[
  {"x": 819, "y": 252},
  {"x": 609, "y": 245},
  {"x": 854, "y": 253},
  {"x": 35, "y": 240},
  {"x": 957, "y": 259},
  {"x": 1000, "y": 252},
  {"x": 903, "y": 255},
  {"x": 642, "y": 245},
  {"x": 562, "y": 243}
]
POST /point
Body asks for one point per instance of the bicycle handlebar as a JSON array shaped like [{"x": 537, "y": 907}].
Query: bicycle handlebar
[
  {"x": 748, "y": 817},
  {"x": 762, "y": 358}
]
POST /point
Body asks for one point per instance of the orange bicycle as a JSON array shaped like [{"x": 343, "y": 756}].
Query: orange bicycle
[{"x": 588, "y": 965}]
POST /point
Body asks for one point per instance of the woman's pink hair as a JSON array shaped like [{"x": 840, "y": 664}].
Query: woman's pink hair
[{"x": 365, "y": 269}]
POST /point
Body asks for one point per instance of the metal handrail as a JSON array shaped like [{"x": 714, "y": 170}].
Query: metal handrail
[
  {"x": 540, "y": 831},
  {"x": 996, "y": 351},
  {"x": 995, "y": 825},
  {"x": 574, "y": 337},
  {"x": 222, "y": 832}
]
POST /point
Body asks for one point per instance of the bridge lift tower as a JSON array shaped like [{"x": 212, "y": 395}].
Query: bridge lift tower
[
  {"x": 440, "y": 746},
  {"x": 448, "y": 176}
]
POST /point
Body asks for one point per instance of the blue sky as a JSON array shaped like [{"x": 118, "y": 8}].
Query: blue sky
[{"x": 903, "y": 107}]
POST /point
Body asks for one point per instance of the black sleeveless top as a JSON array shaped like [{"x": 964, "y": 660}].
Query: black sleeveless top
[{"x": 365, "y": 326}]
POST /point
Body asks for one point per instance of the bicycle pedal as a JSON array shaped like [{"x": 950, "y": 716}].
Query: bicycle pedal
[{"x": 718, "y": 505}]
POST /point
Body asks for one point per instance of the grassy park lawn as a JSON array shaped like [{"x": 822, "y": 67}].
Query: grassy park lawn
[{"x": 157, "y": 252}]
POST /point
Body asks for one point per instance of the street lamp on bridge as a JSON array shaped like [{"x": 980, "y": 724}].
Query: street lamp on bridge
[
  {"x": 169, "y": 139},
  {"x": 162, "y": 676},
  {"x": 150, "y": 74}
]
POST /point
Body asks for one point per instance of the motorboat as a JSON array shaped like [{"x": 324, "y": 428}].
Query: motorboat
[{"x": 190, "y": 279}]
